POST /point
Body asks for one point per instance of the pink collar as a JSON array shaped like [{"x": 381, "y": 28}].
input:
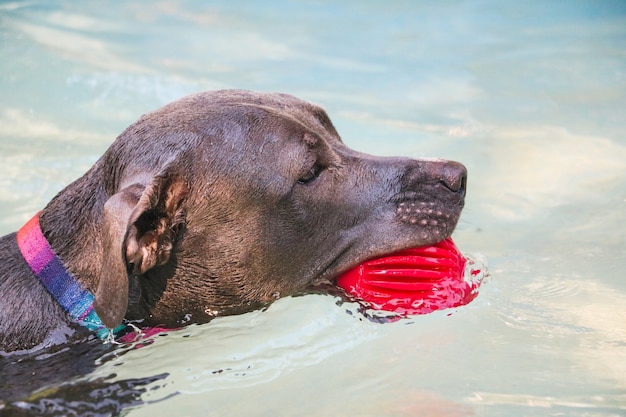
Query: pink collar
[{"x": 60, "y": 283}]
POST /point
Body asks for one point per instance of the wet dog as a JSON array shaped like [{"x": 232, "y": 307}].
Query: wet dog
[{"x": 215, "y": 204}]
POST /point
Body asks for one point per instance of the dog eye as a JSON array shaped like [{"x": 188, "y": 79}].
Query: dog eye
[{"x": 310, "y": 175}]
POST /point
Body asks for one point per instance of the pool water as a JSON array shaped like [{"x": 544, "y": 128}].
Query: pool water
[{"x": 530, "y": 96}]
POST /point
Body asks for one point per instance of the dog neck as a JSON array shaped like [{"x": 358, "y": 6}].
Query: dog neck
[{"x": 60, "y": 283}]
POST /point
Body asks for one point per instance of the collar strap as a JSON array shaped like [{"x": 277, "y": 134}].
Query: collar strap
[{"x": 60, "y": 283}]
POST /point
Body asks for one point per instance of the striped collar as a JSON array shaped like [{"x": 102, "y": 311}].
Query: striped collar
[{"x": 60, "y": 283}]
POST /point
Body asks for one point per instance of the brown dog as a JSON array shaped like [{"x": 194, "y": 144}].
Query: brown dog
[{"x": 215, "y": 204}]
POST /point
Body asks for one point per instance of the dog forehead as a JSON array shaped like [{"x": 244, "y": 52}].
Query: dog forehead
[
  {"x": 234, "y": 119},
  {"x": 277, "y": 101},
  {"x": 242, "y": 106},
  {"x": 211, "y": 101}
]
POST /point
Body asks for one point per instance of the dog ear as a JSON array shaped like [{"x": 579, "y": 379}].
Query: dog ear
[{"x": 139, "y": 228}]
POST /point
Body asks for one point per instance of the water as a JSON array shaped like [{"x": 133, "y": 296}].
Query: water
[{"x": 530, "y": 96}]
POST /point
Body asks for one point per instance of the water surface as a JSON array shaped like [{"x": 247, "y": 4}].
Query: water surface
[{"x": 530, "y": 96}]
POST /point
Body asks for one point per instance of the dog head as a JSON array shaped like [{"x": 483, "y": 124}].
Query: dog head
[{"x": 223, "y": 201}]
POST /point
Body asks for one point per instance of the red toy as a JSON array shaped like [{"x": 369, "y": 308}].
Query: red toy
[{"x": 414, "y": 281}]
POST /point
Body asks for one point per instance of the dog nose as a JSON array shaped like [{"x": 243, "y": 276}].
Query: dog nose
[
  {"x": 453, "y": 176},
  {"x": 442, "y": 174}
]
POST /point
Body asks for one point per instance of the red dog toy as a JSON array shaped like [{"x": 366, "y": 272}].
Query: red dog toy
[{"x": 414, "y": 281}]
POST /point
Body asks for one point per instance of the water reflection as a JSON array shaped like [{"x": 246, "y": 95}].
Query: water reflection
[
  {"x": 537, "y": 169},
  {"x": 531, "y": 97}
]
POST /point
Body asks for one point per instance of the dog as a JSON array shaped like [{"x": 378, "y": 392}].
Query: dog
[{"x": 215, "y": 204}]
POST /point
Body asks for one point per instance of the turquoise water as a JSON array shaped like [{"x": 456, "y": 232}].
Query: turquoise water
[{"x": 530, "y": 96}]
